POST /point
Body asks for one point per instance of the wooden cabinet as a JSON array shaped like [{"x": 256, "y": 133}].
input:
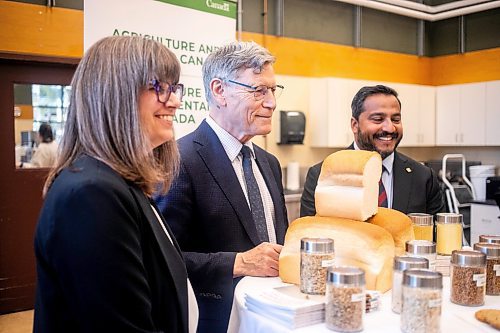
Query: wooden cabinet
[
  {"x": 418, "y": 111},
  {"x": 447, "y": 115},
  {"x": 493, "y": 113},
  {"x": 453, "y": 115},
  {"x": 461, "y": 115},
  {"x": 330, "y": 111}
]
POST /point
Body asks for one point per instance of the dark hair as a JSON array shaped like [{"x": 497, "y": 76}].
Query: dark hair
[
  {"x": 357, "y": 105},
  {"x": 45, "y": 132}
]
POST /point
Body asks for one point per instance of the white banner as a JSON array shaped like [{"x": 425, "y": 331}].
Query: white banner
[{"x": 191, "y": 29}]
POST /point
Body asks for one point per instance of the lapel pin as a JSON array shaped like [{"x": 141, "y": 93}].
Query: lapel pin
[{"x": 408, "y": 170}]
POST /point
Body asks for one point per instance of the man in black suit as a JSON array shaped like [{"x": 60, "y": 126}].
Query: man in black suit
[
  {"x": 376, "y": 123},
  {"x": 213, "y": 206}
]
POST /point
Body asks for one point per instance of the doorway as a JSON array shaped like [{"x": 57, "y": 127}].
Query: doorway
[{"x": 21, "y": 188}]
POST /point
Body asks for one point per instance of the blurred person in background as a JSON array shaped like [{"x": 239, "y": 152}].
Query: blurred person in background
[{"x": 45, "y": 154}]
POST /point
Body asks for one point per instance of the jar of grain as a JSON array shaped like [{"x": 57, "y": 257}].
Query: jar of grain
[
  {"x": 489, "y": 239},
  {"x": 316, "y": 255},
  {"x": 423, "y": 226},
  {"x": 422, "y": 248},
  {"x": 468, "y": 277},
  {"x": 422, "y": 292},
  {"x": 345, "y": 299},
  {"x": 402, "y": 263},
  {"x": 492, "y": 251},
  {"x": 449, "y": 233}
]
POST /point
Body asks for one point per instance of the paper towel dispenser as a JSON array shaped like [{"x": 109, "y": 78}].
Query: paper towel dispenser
[{"x": 292, "y": 128}]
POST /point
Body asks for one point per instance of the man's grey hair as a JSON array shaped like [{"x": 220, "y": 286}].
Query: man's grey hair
[{"x": 227, "y": 61}]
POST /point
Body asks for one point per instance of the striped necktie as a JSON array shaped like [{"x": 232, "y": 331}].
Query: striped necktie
[
  {"x": 256, "y": 205},
  {"x": 382, "y": 194}
]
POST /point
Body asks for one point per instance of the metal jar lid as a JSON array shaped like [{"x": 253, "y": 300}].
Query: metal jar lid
[
  {"x": 345, "y": 275},
  {"x": 402, "y": 263},
  {"x": 422, "y": 278},
  {"x": 448, "y": 218},
  {"x": 490, "y": 249},
  {"x": 489, "y": 239},
  {"x": 420, "y": 219},
  {"x": 468, "y": 258},
  {"x": 418, "y": 246},
  {"x": 316, "y": 245}
]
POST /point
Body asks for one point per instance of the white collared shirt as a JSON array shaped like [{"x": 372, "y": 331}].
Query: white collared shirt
[
  {"x": 232, "y": 147},
  {"x": 387, "y": 176},
  {"x": 193, "y": 312}
]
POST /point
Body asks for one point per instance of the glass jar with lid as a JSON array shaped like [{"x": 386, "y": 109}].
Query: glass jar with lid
[
  {"x": 448, "y": 233},
  {"x": 468, "y": 277},
  {"x": 489, "y": 239},
  {"x": 316, "y": 255},
  {"x": 422, "y": 248},
  {"x": 492, "y": 251},
  {"x": 423, "y": 226},
  {"x": 345, "y": 299},
  {"x": 422, "y": 294},
  {"x": 402, "y": 263}
]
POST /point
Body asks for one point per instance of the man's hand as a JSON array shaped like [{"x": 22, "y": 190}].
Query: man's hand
[{"x": 262, "y": 260}]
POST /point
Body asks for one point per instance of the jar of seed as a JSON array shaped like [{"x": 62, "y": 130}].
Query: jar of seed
[
  {"x": 468, "y": 277},
  {"x": 489, "y": 239},
  {"x": 423, "y": 226},
  {"x": 316, "y": 255},
  {"x": 402, "y": 263},
  {"x": 448, "y": 233},
  {"x": 422, "y": 248},
  {"x": 492, "y": 251},
  {"x": 345, "y": 299},
  {"x": 422, "y": 292}
]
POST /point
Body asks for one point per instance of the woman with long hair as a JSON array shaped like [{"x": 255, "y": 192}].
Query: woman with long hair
[{"x": 106, "y": 260}]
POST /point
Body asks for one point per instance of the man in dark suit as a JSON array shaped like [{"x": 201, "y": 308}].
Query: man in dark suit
[
  {"x": 229, "y": 220},
  {"x": 376, "y": 123}
]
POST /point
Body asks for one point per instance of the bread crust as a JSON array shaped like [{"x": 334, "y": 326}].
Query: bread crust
[
  {"x": 397, "y": 224},
  {"x": 361, "y": 244},
  {"x": 348, "y": 162}
]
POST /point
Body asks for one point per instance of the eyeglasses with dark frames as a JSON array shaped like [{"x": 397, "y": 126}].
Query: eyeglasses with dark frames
[
  {"x": 259, "y": 92},
  {"x": 163, "y": 90}
]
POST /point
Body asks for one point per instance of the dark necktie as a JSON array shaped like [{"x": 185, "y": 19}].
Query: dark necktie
[
  {"x": 254, "y": 197},
  {"x": 382, "y": 194}
]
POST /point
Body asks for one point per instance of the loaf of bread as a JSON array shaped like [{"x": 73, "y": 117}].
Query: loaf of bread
[
  {"x": 397, "y": 224},
  {"x": 356, "y": 243},
  {"x": 348, "y": 185}
]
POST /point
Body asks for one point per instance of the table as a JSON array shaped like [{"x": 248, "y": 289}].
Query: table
[{"x": 454, "y": 318}]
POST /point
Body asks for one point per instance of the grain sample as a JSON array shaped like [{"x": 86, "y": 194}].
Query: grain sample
[
  {"x": 492, "y": 251},
  {"x": 316, "y": 255},
  {"x": 468, "y": 277},
  {"x": 421, "y": 308},
  {"x": 345, "y": 299}
]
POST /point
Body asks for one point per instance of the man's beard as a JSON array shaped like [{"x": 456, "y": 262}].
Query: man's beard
[{"x": 366, "y": 142}]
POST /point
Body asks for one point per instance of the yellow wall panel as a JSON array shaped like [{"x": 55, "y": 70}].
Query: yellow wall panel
[
  {"x": 40, "y": 30},
  {"x": 58, "y": 32},
  {"x": 317, "y": 59},
  {"x": 474, "y": 66},
  {"x": 26, "y": 111}
]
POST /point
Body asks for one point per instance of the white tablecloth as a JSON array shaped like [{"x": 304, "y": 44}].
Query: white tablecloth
[{"x": 454, "y": 318}]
